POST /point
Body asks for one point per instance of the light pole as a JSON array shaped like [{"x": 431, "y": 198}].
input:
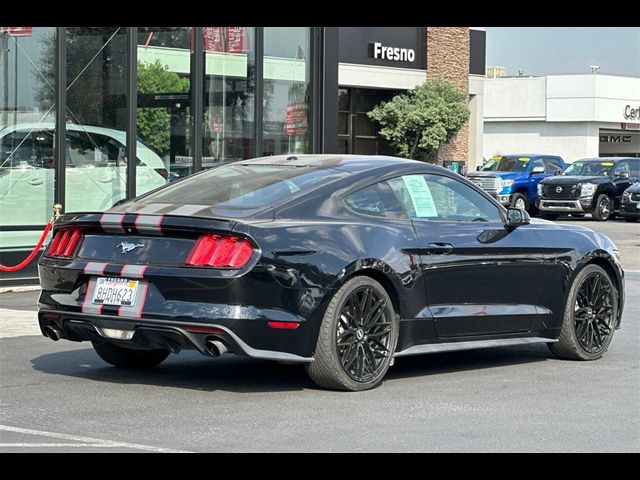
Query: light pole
[{"x": 594, "y": 68}]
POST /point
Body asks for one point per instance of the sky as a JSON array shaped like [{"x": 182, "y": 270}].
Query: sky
[{"x": 565, "y": 50}]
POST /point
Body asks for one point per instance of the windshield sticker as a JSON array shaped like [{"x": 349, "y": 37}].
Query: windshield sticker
[
  {"x": 524, "y": 159},
  {"x": 606, "y": 164},
  {"x": 420, "y": 194}
]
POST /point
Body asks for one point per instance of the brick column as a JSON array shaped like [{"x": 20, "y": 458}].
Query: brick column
[{"x": 448, "y": 58}]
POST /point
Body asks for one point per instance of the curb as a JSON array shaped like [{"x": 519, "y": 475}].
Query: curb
[{"x": 20, "y": 288}]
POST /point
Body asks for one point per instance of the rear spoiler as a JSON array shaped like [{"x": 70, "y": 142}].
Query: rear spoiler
[{"x": 144, "y": 224}]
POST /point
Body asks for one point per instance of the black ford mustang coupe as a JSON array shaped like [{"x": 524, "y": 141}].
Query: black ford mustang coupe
[{"x": 338, "y": 262}]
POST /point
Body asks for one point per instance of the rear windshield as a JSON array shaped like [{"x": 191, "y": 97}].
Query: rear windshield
[
  {"x": 237, "y": 186},
  {"x": 506, "y": 164}
]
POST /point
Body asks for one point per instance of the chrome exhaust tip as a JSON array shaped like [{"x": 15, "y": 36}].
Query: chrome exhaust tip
[
  {"x": 52, "y": 332},
  {"x": 215, "y": 347}
]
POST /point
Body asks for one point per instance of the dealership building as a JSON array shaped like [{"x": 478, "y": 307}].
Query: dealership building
[
  {"x": 574, "y": 116},
  {"x": 73, "y": 99}
]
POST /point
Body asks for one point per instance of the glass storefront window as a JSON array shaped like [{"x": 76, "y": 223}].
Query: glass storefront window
[
  {"x": 95, "y": 150},
  {"x": 229, "y": 94},
  {"x": 287, "y": 92},
  {"x": 27, "y": 119},
  {"x": 164, "y": 106}
]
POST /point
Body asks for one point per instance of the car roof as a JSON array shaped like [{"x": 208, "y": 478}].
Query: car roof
[
  {"x": 69, "y": 126},
  {"x": 348, "y": 163},
  {"x": 528, "y": 155},
  {"x": 605, "y": 159}
]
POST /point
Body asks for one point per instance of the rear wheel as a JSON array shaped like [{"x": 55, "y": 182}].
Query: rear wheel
[
  {"x": 589, "y": 316},
  {"x": 603, "y": 208},
  {"x": 129, "y": 357},
  {"x": 357, "y": 338},
  {"x": 521, "y": 201}
]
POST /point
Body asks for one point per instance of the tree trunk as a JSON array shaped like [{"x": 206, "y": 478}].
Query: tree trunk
[{"x": 414, "y": 146}]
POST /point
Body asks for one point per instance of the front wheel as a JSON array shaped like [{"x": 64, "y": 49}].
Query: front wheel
[
  {"x": 603, "y": 208},
  {"x": 128, "y": 357},
  {"x": 589, "y": 316},
  {"x": 521, "y": 201},
  {"x": 357, "y": 337}
]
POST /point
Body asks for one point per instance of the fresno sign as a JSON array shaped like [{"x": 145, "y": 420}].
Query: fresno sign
[{"x": 392, "y": 53}]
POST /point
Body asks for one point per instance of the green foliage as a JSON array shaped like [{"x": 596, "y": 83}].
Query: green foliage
[
  {"x": 154, "y": 123},
  {"x": 423, "y": 119}
]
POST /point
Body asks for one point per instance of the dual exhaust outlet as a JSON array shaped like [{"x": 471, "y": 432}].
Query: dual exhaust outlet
[{"x": 214, "y": 347}]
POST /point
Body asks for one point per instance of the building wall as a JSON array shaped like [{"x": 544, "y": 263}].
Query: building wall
[
  {"x": 569, "y": 140},
  {"x": 448, "y": 58}
]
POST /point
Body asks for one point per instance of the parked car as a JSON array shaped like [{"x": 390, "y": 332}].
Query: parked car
[
  {"x": 95, "y": 175},
  {"x": 338, "y": 262},
  {"x": 513, "y": 179},
  {"x": 590, "y": 185},
  {"x": 630, "y": 204}
]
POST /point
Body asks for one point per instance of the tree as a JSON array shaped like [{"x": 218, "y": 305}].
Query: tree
[
  {"x": 423, "y": 119},
  {"x": 154, "y": 123}
]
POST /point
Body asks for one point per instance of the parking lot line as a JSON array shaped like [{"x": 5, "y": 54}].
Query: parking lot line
[{"x": 86, "y": 441}]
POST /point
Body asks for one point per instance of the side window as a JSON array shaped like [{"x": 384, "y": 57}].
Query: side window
[
  {"x": 90, "y": 149},
  {"x": 537, "y": 164},
  {"x": 621, "y": 167},
  {"x": 378, "y": 200},
  {"x": 635, "y": 167},
  {"x": 552, "y": 165},
  {"x": 436, "y": 197}
]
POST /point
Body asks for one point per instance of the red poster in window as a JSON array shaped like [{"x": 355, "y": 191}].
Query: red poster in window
[
  {"x": 17, "y": 31},
  {"x": 212, "y": 37},
  {"x": 296, "y": 121},
  {"x": 236, "y": 42}
]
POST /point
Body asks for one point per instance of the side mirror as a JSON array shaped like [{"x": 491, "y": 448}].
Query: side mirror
[
  {"x": 478, "y": 167},
  {"x": 623, "y": 175},
  {"x": 517, "y": 217},
  {"x": 537, "y": 170}
]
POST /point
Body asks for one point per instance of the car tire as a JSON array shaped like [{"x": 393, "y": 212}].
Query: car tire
[
  {"x": 550, "y": 216},
  {"x": 333, "y": 366},
  {"x": 603, "y": 208},
  {"x": 520, "y": 199},
  {"x": 578, "y": 329},
  {"x": 129, "y": 357}
]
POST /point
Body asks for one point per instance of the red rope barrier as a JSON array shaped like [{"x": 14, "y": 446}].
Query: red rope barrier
[{"x": 31, "y": 256}]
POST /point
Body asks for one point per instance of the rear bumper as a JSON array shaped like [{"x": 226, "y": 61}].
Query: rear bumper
[{"x": 156, "y": 333}]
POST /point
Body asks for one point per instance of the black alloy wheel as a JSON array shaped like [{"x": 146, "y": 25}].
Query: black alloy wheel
[
  {"x": 602, "y": 210},
  {"x": 357, "y": 338},
  {"x": 363, "y": 336},
  {"x": 590, "y": 316}
]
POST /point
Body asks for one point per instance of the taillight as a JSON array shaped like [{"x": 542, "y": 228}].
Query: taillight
[
  {"x": 65, "y": 242},
  {"x": 219, "y": 251}
]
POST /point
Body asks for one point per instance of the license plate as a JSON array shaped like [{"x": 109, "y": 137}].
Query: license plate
[{"x": 115, "y": 291}]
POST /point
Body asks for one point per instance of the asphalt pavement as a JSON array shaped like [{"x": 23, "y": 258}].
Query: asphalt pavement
[{"x": 60, "y": 397}]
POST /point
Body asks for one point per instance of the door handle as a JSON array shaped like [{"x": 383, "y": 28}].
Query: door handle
[{"x": 439, "y": 248}]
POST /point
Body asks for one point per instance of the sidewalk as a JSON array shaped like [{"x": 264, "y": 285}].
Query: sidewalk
[{"x": 18, "y": 314}]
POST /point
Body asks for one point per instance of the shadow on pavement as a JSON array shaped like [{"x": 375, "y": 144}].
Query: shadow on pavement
[{"x": 240, "y": 374}]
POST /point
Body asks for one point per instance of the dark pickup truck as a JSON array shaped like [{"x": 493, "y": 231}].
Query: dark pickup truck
[{"x": 590, "y": 185}]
